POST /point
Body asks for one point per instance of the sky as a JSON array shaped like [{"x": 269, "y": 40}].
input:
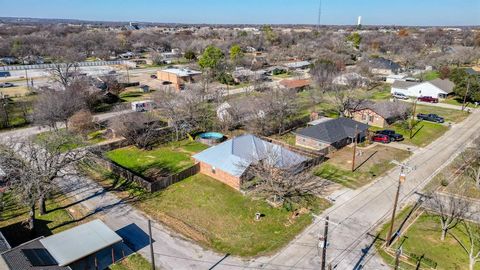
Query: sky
[{"x": 373, "y": 12}]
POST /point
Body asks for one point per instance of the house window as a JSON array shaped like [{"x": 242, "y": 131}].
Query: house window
[
  {"x": 213, "y": 170},
  {"x": 364, "y": 117},
  {"x": 370, "y": 118}
]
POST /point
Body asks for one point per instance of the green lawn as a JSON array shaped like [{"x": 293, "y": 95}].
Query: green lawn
[
  {"x": 430, "y": 75},
  {"x": 70, "y": 141},
  {"x": 450, "y": 115},
  {"x": 221, "y": 218},
  {"x": 288, "y": 138},
  {"x": 380, "y": 93},
  {"x": 52, "y": 222},
  {"x": 132, "y": 262},
  {"x": 423, "y": 238},
  {"x": 423, "y": 133},
  {"x": 134, "y": 94},
  {"x": 373, "y": 163},
  {"x": 166, "y": 159}
]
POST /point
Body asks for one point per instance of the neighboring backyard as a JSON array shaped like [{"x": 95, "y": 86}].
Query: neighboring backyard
[
  {"x": 215, "y": 215},
  {"x": 422, "y": 240},
  {"x": 13, "y": 214},
  {"x": 370, "y": 163},
  {"x": 161, "y": 160}
]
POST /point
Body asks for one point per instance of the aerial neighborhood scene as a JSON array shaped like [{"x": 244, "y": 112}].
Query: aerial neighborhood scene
[{"x": 208, "y": 134}]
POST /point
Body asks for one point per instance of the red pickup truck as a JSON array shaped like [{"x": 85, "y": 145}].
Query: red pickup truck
[{"x": 428, "y": 99}]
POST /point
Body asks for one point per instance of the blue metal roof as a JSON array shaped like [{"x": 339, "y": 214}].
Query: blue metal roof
[{"x": 235, "y": 155}]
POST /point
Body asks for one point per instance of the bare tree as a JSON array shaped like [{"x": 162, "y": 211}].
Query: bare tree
[
  {"x": 32, "y": 165},
  {"x": 471, "y": 243},
  {"x": 53, "y": 106},
  {"x": 471, "y": 161},
  {"x": 139, "y": 129},
  {"x": 451, "y": 210},
  {"x": 81, "y": 122},
  {"x": 281, "y": 178}
]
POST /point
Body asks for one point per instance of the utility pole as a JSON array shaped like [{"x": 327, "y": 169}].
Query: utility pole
[
  {"x": 152, "y": 255},
  {"x": 26, "y": 79},
  {"x": 398, "y": 253},
  {"x": 466, "y": 94},
  {"x": 128, "y": 73},
  {"x": 325, "y": 243},
  {"x": 355, "y": 139},
  {"x": 413, "y": 117},
  {"x": 401, "y": 179}
]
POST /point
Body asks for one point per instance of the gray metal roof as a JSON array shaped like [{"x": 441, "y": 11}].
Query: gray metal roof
[
  {"x": 16, "y": 258},
  {"x": 446, "y": 85},
  {"x": 403, "y": 84},
  {"x": 381, "y": 62},
  {"x": 334, "y": 130},
  {"x": 386, "y": 109},
  {"x": 235, "y": 155},
  {"x": 4, "y": 245},
  {"x": 76, "y": 243}
]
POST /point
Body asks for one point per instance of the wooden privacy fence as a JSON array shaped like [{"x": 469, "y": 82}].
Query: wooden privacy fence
[{"x": 150, "y": 184}]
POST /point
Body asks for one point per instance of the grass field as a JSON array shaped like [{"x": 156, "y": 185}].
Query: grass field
[
  {"x": 132, "y": 262},
  {"x": 167, "y": 159},
  {"x": 373, "y": 163},
  {"x": 380, "y": 93},
  {"x": 132, "y": 94},
  {"x": 423, "y": 238},
  {"x": 450, "y": 115},
  {"x": 220, "y": 217},
  {"x": 16, "y": 91},
  {"x": 429, "y": 75},
  {"x": 56, "y": 220}
]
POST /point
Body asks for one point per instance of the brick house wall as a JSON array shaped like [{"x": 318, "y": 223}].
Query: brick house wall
[
  {"x": 310, "y": 143},
  {"x": 369, "y": 117},
  {"x": 222, "y": 176},
  {"x": 176, "y": 80}
]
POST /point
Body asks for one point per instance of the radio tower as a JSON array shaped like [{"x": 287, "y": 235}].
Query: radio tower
[{"x": 319, "y": 15}]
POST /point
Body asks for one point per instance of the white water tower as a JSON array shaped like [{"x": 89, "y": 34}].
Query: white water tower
[{"x": 359, "y": 21}]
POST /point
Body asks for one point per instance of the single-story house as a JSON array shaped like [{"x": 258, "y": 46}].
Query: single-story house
[
  {"x": 351, "y": 78},
  {"x": 297, "y": 65},
  {"x": 92, "y": 245},
  {"x": 382, "y": 66},
  {"x": 437, "y": 88},
  {"x": 244, "y": 75},
  {"x": 473, "y": 71},
  {"x": 228, "y": 162},
  {"x": 297, "y": 85},
  {"x": 241, "y": 110},
  {"x": 380, "y": 114},
  {"x": 179, "y": 76},
  {"x": 331, "y": 134}
]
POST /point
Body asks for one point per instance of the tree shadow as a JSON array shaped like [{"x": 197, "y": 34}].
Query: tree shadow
[
  {"x": 18, "y": 233},
  {"x": 418, "y": 130},
  {"x": 365, "y": 161}
]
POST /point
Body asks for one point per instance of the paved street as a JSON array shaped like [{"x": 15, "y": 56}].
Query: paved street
[{"x": 356, "y": 213}]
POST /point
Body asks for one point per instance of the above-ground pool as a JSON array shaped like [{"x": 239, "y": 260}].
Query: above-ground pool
[{"x": 210, "y": 138}]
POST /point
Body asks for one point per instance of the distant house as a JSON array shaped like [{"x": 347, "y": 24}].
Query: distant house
[
  {"x": 8, "y": 60},
  {"x": 169, "y": 57},
  {"x": 331, "y": 134},
  {"x": 228, "y": 162},
  {"x": 380, "y": 114},
  {"x": 351, "y": 78},
  {"x": 382, "y": 66},
  {"x": 127, "y": 55},
  {"x": 399, "y": 77},
  {"x": 179, "y": 76},
  {"x": 437, "y": 88},
  {"x": 241, "y": 110},
  {"x": 472, "y": 71},
  {"x": 92, "y": 245},
  {"x": 297, "y": 65},
  {"x": 245, "y": 75},
  {"x": 297, "y": 85}
]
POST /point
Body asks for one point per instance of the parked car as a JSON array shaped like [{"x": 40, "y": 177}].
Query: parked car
[
  {"x": 5, "y": 85},
  {"x": 111, "y": 72},
  {"x": 381, "y": 138},
  {"x": 428, "y": 99},
  {"x": 153, "y": 76},
  {"x": 394, "y": 137},
  {"x": 399, "y": 96},
  {"x": 430, "y": 117}
]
